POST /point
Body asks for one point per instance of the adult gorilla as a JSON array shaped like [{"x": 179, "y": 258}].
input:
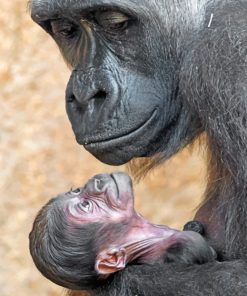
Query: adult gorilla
[{"x": 148, "y": 77}]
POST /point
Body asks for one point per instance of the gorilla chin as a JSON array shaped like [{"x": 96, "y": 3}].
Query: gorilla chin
[
  {"x": 113, "y": 152},
  {"x": 142, "y": 142},
  {"x": 110, "y": 157},
  {"x": 122, "y": 150},
  {"x": 123, "y": 147}
]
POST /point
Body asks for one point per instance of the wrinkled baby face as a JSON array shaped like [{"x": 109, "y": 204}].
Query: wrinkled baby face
[{"x": 105, "y": 198}]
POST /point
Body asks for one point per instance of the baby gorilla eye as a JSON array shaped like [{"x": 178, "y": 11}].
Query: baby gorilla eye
[
  {"x": 75, "y": 191},
  {"x": 84, "y": 206},
  {"x": 112, "y": 20}
]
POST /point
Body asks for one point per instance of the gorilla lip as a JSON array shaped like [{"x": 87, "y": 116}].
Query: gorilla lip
[{"x": 93, "y": 142}]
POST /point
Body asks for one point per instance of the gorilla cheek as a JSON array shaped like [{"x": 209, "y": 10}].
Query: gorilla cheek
[{"x": 124, "y": 123}]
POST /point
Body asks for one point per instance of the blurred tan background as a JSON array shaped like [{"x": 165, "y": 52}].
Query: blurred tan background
[{"x": 40, "y": 158}]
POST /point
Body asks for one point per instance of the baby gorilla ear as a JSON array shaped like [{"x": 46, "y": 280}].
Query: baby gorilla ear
[
  {"x": 110, "y": 261},
  {"x": 190, "y": 248}
]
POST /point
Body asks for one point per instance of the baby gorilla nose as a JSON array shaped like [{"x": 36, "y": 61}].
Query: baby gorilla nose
[
  {"x": 106, "y": 186},
  {"x": 98, "y": 184}
]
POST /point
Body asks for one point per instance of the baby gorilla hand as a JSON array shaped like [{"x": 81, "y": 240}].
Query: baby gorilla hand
[
  {"x": 189, "y": 247},
  {"x": 195, "y": 226}
]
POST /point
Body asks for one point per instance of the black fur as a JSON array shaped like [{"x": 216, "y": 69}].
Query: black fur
[
  {"x": 195, "y": 226},
  {"x": 56, "y": 251},
  {"x": 182, "y": 64}
]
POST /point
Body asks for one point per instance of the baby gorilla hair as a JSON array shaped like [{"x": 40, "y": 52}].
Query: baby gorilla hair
[{"x": 58, "y": 253}]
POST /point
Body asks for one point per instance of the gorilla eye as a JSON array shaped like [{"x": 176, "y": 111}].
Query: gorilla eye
[
  {"x": 63, "y": 29},
  {"x": 112, "y": 20},
  {"x": 85, "y": 206}
]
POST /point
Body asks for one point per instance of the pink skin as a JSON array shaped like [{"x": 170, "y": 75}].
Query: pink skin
[{"x": 109, "y": 199}]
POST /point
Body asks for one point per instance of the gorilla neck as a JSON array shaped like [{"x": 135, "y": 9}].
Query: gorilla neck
[
  {"x": 147, "y": 242},
  {"x": 228, "y": 174}
]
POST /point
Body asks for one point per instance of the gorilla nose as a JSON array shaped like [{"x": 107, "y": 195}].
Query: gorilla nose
[
  {"x": 83, "y": 87},
  {"x": 84, "y": 97}
]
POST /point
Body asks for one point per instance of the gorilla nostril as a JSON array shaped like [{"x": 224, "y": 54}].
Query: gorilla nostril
[
  {"x": 100, "y": 95},
  {"x": 99, "y": 184},
  {"x": 83, "y": 99}
]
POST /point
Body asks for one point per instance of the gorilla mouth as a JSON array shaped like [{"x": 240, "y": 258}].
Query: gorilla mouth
[{"x": 92, "y": 143}]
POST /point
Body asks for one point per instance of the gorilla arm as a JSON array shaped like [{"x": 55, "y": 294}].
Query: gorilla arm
[{"x": 177, "y": 280}]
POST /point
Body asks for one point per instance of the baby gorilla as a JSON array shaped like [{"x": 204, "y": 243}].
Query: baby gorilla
[{"x": 82, "y": 237}]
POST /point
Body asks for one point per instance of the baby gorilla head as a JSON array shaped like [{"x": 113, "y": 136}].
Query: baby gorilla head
[
  {"x": 81, "y": 237},
  {"x": 70, "y": 228}
]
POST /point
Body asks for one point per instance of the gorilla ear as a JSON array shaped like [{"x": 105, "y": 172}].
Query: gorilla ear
[{"x": 110, "y": 261}]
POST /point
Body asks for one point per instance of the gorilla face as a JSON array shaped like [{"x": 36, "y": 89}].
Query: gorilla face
[{"x": 122, "y": 97}]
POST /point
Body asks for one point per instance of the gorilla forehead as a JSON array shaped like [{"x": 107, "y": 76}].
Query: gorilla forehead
[
  {"x": 170, "y": 14},
  {"x": 144, "y": 6},
  {"x": 50, "y": 5}
]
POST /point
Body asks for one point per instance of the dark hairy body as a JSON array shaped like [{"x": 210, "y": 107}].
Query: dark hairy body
[{"x": 148, "y": 79}]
